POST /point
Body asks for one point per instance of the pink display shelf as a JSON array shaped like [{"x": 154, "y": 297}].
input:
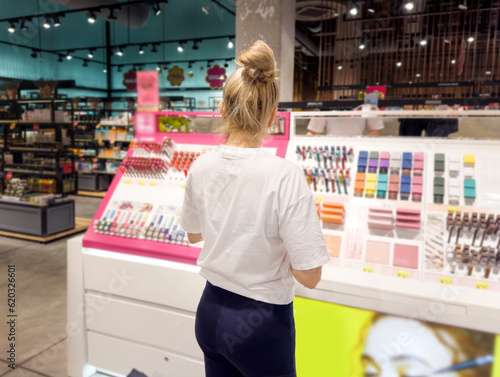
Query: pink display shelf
[{"x": 146, "y": 129}]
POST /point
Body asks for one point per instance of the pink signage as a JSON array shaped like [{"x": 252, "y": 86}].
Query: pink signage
[
  {"x": 216, "y": 76},
  {"x": 130, "y": 80},
  {"x": 148, "y": 91},
  {"x": 145, "y": 124}
]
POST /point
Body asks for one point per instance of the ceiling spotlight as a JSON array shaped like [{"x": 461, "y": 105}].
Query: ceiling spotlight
[
  {"x": 423, "y": 42},
  {"x": 91, "y": 17},
  {"x": 195, "y": 45},
  {"x": 453, "y": 61},
  {"x": 119, "y": 52},
  {"x": 119, "y": 68},
  {"x": 488, "y": 73},
  {"x": 230, "y": 44},
  {"x": 418, "y": 74},
  {"x": 112, "y": 15},
  {"x": 354, "y": 11},
  {"x": 470, "y": 39},
  {"x": 141, "y": 50},
  {"x": 209, "y": 63},
  {"x": 46, "y": 24},
  {"x": 154, "y": 48},
  {"x": 57, "y": 22},
  {"x": 105, "y": 70},
  {"x": 409, "y": 5},
  {"x": 190, "y": 65},
  {"x": 23, "y": 26},
  {"x": 34, "y": 55},
  {"x": 180, "y": 48},
  {"x": 91, "y": 54},
  {"x": 156, "y": 9},
  {"x": 11, "y": 28},
  {"x": 85, "y": 63},
  {"x": 68, "y": 55},
  {"x": 226, "y": 65},
  {"x": 60, "y": 60},
  {"x": 399, "y": 64},
  {"x": 462, "y": 5},
  {"x": 340, "y": 67},
  {"x": 371, "y": 10},
  {"x": 362, "y": 46}
]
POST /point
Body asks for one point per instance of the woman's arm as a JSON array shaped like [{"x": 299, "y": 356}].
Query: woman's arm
[
  {"x": 308, "y": 278},
  {"x": 195, "y": 237}
]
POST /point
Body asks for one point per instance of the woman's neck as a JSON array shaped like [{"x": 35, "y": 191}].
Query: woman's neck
[{"x": 243, "y": 140}]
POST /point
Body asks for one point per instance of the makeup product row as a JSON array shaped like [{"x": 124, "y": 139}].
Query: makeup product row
[
  {"x": 473, "y": 244},
  {"x": 154, "y": 149},
  {"x": 326, "y": 168},
  {"x": 125, "y": 219},
  {"x": 331, "y": 212},
  {"x": 455, "y": 188},
  {"x": 383, "y": 218},
  {"x": 143, "y": 167},
  {"x": 136, "y": 220},
  {"x": 182, "y": 160},
  {"x": 392, "y": 175},
  {"x": 164, "y": 227}
]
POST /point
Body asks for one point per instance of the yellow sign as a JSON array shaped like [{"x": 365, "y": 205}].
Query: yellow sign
[
  {"x": 403, "y": 274},
  {"x": 446, "y": 281},
  {"x": 368, "y": 269},
  {"x": 482, "y": 285}
]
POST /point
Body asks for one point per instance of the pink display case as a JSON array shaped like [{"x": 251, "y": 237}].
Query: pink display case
[{"x": 147, "y": 129}]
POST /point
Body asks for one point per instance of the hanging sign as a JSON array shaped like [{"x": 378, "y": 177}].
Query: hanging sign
[
  {"x": 148, "y": 91},
  {"x": 216, "y": 76},
  {"x": 175, "y": 76},
  {"x": 130, "y": 80}
]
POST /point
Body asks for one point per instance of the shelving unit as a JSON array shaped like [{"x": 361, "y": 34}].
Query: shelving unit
[
  {"x": 37, "y": 153},
  {"x": 97, "y": 159}
]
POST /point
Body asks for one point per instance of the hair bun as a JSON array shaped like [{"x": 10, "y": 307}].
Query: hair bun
[{"x": 258, "y": 62}]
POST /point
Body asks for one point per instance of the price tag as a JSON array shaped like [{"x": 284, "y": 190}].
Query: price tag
[
  {"x": 12, "y": 126},
  {"x": 452, "y": 209},
  {"x": 320, "y": 198},
  {"x": 482, "y": 285},
  {"x": 153, "y": 183},
  {"x": 368, "y": 269},
  {"x": 9, "y": 175},
  {"x": 403, "y": 274},
  {"x": 183, "y": 187},
  {"x": 446, "y": 281},
  {"x": 128, "y": 182},
  {"x": 142, "y": 183},
  {"x": 35, "y": 127}
]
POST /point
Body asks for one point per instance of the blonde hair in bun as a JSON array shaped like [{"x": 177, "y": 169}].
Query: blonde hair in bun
[{"x": 251, "y": 93}]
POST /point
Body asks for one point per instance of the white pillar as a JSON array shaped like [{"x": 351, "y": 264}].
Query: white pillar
[{"x": 272, "y": 21}]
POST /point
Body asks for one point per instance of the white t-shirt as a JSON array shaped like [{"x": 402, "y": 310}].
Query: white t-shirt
[
  {"x": 344, "y": 126},
  {"x": 257, "y": 216}
]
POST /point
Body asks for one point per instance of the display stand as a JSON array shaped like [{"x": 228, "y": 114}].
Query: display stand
[
  {"x": 37, "y": 221},
  {"x": 390, "y": 269}
]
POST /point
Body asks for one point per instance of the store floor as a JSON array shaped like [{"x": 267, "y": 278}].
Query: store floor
[{"x": 40, "y": 302}]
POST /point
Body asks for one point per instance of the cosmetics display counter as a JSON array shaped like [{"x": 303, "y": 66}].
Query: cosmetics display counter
[
  {"x": 411, "y": 225},
  {"x": 135, "y": 235}
]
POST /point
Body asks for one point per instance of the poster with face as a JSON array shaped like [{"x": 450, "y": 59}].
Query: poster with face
[{"x": 334, "y": 340}]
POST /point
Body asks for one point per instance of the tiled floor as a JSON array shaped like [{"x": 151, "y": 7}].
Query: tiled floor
[{"x": 40, "y": 304}]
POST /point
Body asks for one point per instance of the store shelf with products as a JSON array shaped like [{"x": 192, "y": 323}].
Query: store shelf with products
[
  {"x": 389, "y": 241},
  {"x": 97, "y": 143},
  {"x": 37, "y": 170}
]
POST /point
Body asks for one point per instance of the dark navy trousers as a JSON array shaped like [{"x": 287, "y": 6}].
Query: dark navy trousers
[{"x": 240, "y": 336}]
